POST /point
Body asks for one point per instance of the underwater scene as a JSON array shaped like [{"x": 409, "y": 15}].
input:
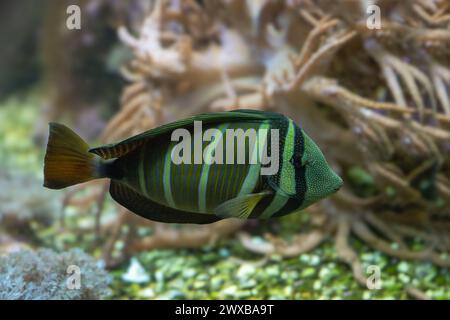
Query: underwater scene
[{"x": 343, "y": 105}]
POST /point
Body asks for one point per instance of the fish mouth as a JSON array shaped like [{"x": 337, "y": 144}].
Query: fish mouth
[{"x": 339, "y": 184}]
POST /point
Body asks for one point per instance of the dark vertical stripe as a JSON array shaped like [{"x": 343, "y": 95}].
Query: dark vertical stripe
[
  {"x": 300, "y": 179},
  {"x": 261, "y": 206},
  {"x": 290, "y": 206}
]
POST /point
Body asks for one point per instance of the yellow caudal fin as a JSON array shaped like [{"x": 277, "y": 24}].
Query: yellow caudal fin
[{"x": 67, "y": 160}]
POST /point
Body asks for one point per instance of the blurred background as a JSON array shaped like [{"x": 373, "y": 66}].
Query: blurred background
[{"x": 368, "y": 80}]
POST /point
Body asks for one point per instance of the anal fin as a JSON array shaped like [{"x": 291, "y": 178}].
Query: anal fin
[{"x": 151, "y": 210}]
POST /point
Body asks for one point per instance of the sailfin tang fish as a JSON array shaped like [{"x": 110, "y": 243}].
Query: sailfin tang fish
[{"x": 146, "y": 180}]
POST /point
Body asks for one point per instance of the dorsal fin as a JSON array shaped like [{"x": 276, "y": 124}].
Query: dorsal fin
[
  {"x": 119, "y": 149},
  {"x": 116, "y": 150}
]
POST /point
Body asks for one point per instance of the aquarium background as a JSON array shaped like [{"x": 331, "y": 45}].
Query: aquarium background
[{"x": 374, "y": 95}]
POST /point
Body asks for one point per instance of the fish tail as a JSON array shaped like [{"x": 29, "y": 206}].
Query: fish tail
[{"x": 68, "y": 160}]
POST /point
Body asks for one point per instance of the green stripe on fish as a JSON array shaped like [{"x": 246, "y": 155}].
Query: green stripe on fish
[
  {"x": 141, "y": 172},
  {"x": 167, "y": 178},
  {"x": 277, "y": 204},
  {"x": 287, "y": 179},
  {"x": 206, "y": 166},
  {"x": 253, "y": 173}
]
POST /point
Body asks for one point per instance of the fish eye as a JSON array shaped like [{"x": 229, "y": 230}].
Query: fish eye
[{"x": 296, "y": 160}]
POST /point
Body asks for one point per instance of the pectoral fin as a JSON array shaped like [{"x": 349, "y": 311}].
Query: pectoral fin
[{"x": 240, "y": 207}]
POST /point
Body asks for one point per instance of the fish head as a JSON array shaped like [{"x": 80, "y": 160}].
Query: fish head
[{"x": 320, "y": 179}]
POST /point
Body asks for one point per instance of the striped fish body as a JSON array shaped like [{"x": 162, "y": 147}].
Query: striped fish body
[
  {"x": 188, "y": 186},
  {"x": 209, "y": 186}
]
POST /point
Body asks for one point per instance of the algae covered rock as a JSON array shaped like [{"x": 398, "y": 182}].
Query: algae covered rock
[{"x": 45, "y": 274}]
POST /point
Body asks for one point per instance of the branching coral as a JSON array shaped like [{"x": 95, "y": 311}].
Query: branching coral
[
  {"x": 381, "y": 96},
  {"x": 163, "y": 236},
  {"x": 45, "y": 274}
]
